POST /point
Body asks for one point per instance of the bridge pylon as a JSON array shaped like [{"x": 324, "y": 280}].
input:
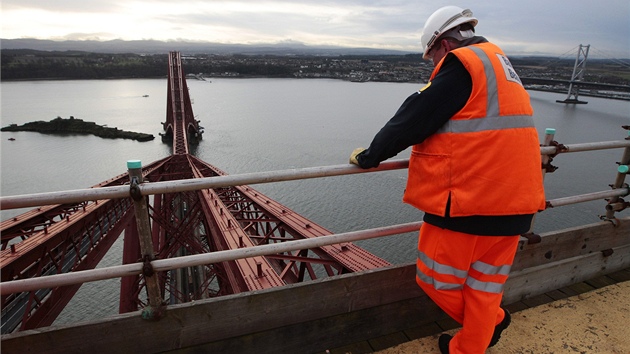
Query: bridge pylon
[{"x": 576, "y": 77}]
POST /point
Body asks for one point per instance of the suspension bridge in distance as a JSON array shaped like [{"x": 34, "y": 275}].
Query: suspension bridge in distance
[
  {"x": 576, "y": 84},
  {"x": 71, "y": 237}
]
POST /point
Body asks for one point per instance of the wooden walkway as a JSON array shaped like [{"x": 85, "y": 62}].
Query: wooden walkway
[{"x": 388, "y": 341}]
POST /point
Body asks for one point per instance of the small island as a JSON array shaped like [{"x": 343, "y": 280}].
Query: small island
[{"x": 76, "y": 126}]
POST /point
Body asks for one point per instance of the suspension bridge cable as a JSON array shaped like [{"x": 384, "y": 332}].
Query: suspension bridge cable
[
  {"x": 610, "y": 57},
  {"x": 562, "y": 56}
]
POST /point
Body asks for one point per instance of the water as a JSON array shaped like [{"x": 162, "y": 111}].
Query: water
[{"x": 273, "y": 124}]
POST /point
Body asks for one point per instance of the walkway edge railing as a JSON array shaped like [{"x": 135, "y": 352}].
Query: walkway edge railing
[
  {"x": 84, "y": 276},
  {"x": 159, "y": 265},
  {"x": 185, "y": 185},
  {"x": 82, "y": 195}
]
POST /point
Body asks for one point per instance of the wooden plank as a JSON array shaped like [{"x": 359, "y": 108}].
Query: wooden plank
[
  {"x": 537, "y": 300},
  {"x": 600, "y": 282},
  {"x": 304, "y": 302},
  {"x": 572, "y": 242},
  {"x": 556, "y": 295},
  {"x": 581, "y": 288},
  {"x": 362, "y": 347},
  {"x": 619, "y": 276},
  {"x": 388, "y": 341},
  {"x": 538, "y": 280},
  {"x": 516, "y": 306},
  {"x": 423, "y": 331},
  {"x": 568, "y": 291},
  {"x": 328, "y": 333},
  {"x": 447, "y": 323},
  {"x": 222, "y": 318}
]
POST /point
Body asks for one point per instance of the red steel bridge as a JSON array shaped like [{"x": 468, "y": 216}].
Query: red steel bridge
[{"x": 65, "y": 238}]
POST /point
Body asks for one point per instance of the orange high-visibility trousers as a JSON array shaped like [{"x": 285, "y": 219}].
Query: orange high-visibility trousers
[{"x": 464, "y": 275}]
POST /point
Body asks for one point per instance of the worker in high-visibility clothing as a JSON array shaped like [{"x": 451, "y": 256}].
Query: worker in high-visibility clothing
[{"x": 475, "y": 171}]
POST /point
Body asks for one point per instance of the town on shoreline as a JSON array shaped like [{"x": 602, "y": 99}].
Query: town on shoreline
[
  {"x": 27, "y": 64},
  {"x": 537, "y": 73}
]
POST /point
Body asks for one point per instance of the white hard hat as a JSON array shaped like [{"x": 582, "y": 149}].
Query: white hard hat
[{"x": 442, "y": 20}]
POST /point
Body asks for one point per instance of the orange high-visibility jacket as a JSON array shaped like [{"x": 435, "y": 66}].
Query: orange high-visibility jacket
[{"x": 487, "y": 156}]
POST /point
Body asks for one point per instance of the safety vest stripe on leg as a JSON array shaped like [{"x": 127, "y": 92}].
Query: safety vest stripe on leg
[
  {"x": 441, "y": 268},
  {"x": 490, "y": 269},
  {"x": 438, "y": 285},
  {"x": 487, "y": 286}
]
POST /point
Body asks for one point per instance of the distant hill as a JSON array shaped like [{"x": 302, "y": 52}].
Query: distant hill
[{"x": 155, "y": 47}]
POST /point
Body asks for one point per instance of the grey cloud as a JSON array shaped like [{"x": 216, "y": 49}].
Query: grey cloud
[{"x": 534, "y": 25}]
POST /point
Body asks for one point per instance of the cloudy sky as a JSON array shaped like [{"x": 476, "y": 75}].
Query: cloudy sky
[{"x": 555, "y": 27}]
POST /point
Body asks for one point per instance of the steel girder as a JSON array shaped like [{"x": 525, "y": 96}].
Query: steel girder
[
  {"x": 77, "y": 242},
  {"x": 264, "y": 221},
  {"x": 178, "y": 228},
  {"x": 57, "y": 239}
]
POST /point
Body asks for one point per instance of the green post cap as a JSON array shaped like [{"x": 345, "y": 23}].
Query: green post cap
[
  {"x": 623, "y": 168},
  {"x": 134, "y": 164},
  {"x": 550, "y": 131}
]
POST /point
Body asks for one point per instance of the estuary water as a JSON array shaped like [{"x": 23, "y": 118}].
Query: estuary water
[{"x": 254, "y": 125}]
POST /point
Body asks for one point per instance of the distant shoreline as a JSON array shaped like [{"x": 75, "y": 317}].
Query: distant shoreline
[{"x": 28, "y": 64}]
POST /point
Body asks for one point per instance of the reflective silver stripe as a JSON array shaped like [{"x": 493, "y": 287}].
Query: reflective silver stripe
[
  {"x": 441, "y": 268},
  {"x": 492, "y": 109},
  {"x": 489, "y": 269},
  {"x": 487, "y": 286},
  {"x": 488, "y": 123},
  {"x": 438, "y": 285},
  {"x": 492, "y": 121}
]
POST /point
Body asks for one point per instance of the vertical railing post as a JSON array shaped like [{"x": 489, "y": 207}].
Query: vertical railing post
[
  {"x": 154, "y": 310},
  {"x": 617, "y": 203},
  {"x": 546, "y": 166},
  {"x": 546, "y": 159}
]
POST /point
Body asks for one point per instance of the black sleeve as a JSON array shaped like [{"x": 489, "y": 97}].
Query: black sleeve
[{"x": 422, "y": 113}]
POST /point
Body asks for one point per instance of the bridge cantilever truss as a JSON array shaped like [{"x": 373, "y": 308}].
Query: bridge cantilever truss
[
  {"x": 180, "y": 126},
  {"x": 71, "y": 237}
]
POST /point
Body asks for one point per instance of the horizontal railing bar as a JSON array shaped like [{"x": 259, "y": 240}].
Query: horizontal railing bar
[
  {"x": 601, "y": 145},
  {"x": 63, "y": 197},
  {"x": 619, "y": 192},
  {"x": 79, "y": 277},
  {"x": 81, "y": 195},
  {"x": 184, "y": 185}
]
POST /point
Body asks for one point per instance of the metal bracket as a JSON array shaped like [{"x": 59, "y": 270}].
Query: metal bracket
[
  {"x": 559, "y": 148},
  {"x": 532, "y": 238},
  {"x": 617, "y": 206},
  {"x": 134, "y": 189},
  {"x": 549, "y": 168},
  {"x": 612, "y": 220},
  {"x": 147, "y": 268}
]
